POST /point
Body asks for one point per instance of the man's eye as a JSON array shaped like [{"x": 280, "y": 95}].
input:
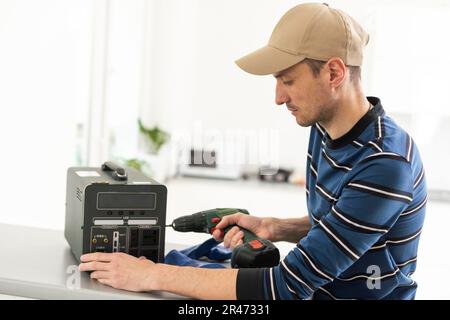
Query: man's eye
[{"x": 288, "y": 83}]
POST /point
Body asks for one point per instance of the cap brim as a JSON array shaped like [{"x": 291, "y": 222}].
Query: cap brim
[{"x": 268, "y": 60}]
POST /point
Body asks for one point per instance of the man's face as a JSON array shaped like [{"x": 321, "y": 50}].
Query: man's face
[{"x": 308, "y": 98}]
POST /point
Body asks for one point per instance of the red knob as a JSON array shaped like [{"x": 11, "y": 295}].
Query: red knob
[{"x": 256, "y": 244}]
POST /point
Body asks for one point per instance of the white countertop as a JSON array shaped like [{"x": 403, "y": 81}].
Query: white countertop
[{"x": 37, "y": 263}]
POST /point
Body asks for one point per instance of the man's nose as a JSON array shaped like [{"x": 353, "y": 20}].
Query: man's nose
[{"x": 280, "y": 95}]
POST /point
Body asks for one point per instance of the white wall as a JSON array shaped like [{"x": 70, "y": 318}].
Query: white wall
[
  {"x": 195, "y": 80},
  {"x": 123, "y": 78},
  {"x": 44, "y": 63}
]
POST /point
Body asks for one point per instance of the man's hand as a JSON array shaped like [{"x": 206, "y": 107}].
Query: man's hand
[
  {"x": 120, "y": 270},
  {"x": 123, "y": 271},
  {"x": 262, "y": 227}
]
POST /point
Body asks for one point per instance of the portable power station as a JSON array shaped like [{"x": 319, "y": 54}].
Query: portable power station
[{"x": 113, "y": 209}]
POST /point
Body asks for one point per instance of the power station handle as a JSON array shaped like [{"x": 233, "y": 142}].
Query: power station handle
[{"x": 118, "y": 173}]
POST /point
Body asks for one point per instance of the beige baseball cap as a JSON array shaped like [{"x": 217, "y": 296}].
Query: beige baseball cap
[{"x": 309, "y": 30}]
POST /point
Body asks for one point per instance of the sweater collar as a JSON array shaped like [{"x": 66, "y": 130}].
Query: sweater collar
[{"x": 359, "y": 127}]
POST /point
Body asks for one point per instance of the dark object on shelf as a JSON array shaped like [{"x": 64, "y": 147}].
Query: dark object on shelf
[
  {"x": 279, "y": 175},
  {"x": 204, "y": 163}
]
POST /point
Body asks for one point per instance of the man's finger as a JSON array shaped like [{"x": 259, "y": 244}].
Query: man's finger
[
  {"x": 96, "y": 256},
  {"x": 218, "y": 234},
  {"x": 100, "y": 275},
  {"x": 94, "y": 266},
  {"x": 227, "y": 220},
  {"x": 222, "y": 223},
  {"x": 236, "y": 238},
  {"x": 229, "y": 236}
]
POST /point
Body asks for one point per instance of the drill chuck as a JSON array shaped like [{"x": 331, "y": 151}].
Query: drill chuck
[{"x": 191, "y": 223}]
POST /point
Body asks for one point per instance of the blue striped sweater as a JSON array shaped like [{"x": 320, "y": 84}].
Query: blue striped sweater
[{"x": 366, "y": 198}]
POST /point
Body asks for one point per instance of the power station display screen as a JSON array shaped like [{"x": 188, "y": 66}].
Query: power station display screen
[{"x": 126, "y": 200}]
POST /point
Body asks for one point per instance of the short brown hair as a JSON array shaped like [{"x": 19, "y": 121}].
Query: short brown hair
[{"x": 316, "y": 66}]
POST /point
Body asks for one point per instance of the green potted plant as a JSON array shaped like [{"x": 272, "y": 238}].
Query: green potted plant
[
  {"x": 156, "y": 137},
  {"x": 138, "y": 164},
  {"x": 154, "y": 156}
]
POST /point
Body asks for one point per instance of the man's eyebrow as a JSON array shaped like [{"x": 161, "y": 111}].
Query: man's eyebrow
[{"x": 280, "y": 74}]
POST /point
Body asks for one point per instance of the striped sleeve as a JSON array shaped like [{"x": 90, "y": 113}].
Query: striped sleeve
[{"x": 379, "y": 189}]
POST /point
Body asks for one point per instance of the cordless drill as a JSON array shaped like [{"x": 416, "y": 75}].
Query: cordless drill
[{"x": 253, "y": 253}]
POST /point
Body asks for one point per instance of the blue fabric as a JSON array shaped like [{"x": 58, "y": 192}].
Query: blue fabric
[{"x": 210, "y": 249}]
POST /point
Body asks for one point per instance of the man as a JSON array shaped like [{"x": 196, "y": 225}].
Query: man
[{"x": 365, "y": 189}]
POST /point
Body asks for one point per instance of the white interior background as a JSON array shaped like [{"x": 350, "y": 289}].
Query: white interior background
[{"x": 76, "y": 74}]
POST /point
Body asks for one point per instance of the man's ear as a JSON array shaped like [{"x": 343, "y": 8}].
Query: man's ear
[{"x": 336, "y": 70}]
